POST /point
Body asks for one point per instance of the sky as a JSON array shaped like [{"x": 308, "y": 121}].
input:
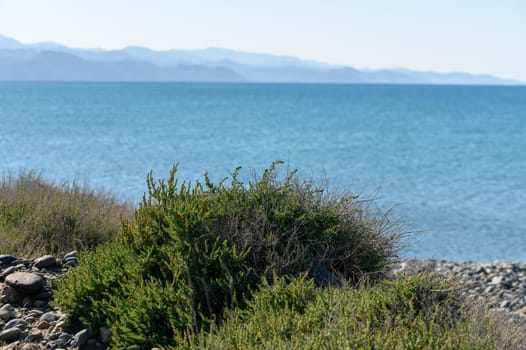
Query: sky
[{"x": 476, "y": 36}]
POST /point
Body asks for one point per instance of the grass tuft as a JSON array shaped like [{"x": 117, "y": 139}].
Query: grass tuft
[{"x": 39, "y": 217}]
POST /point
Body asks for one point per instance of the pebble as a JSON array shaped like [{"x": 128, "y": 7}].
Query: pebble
[
  {"x": 30, "y": 347},
  {"x": 45, "y": 262},
  {"x": 25, "y": 282},
  {"x": 10, "y": 334},
  {"x": 7, "y": 259},
  {"x": 82, "y": 337},
  {"x": 16, "y": 322},
  {"x": 43, "y": 324},
  {"x": 8, "y": 271},
  {"x": 48, "y": 317},
  {"x": 71, "y": 261},
  {"x": 7, "y": 312},
  {"x": 34, "y": 335},
  {"x": 71, "y": 254},
  {"x": 105, "y": 334}
]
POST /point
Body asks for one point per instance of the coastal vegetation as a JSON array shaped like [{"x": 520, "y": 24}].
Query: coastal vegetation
[
  {"x": 40, "y": 217},
  {"x": 273, "y": 262}
]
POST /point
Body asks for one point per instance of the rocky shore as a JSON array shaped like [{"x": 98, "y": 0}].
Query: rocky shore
[
  {"x": 499, "y": 285},
  {"x": 29, "y": 322}
]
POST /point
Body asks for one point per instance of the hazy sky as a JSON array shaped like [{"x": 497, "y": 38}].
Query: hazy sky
[{"x": 478, "y": 36}]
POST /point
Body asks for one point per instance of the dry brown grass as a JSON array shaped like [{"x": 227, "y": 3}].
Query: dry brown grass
[{"x": 40, "y": 217}]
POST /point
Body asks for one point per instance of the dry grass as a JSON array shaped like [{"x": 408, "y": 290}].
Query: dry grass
[{"x": 40, "y": 217}]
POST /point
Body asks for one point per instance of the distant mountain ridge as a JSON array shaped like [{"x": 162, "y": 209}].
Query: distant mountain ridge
[{"x": 55, "y": 62}]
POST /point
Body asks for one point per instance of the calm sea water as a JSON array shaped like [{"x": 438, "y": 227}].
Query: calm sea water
[{"x": 451, "y": 159}]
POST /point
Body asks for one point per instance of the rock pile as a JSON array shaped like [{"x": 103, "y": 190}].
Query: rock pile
[
  {"x": 501, "y": 286},
  {"x": 27, "y": 321}
]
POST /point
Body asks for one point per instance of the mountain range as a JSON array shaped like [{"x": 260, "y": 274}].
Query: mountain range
[{"x": 50, "y": 61}]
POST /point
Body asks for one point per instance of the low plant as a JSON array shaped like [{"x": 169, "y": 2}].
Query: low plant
[
  {"x": 193, "y": 251},
  {"x": 417, "y": 312},
  {"x": 40, "y": 217}
]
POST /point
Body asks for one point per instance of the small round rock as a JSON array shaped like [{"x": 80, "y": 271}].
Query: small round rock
[
  {"x": 7, "y": 259},
  {"x": 25, "y": 282},
  {"x": 45, "y": 261},
  {"x": 16, "y": 322},
  {"x": 7, "y": 312},
  {"x": 81, "y": 337},
  {"x": 105, "y": 334},
  {"x": 71, "y": 254},
  {"x": 10, "y": 334},
  {"x": 8, "y": 271},
  {"x": 48, "y": 317},
  {"x": 30, "y": 347}
]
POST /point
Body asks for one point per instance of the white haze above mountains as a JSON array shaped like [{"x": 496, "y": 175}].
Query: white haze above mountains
[{"x": 55, "y": 62}]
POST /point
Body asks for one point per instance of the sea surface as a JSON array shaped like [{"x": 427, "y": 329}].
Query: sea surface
[{"x": 451, "y": 160}]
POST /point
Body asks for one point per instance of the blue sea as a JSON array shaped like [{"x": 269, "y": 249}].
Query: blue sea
[{"x": 451, "y": 160}]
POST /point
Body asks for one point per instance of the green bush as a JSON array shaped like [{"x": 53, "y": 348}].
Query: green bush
[
  {"x": 201, "y": 248},
  {"x": 417, "y": 312},
  {"x": 38, "y": 217}
]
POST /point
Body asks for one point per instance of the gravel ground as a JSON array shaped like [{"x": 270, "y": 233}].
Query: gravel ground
[
  {"x": 499, "y": 285},
  {"x": 27, "y": 321}
]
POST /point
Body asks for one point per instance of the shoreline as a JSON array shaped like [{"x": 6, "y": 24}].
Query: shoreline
[{"x": 499, "y": 285}]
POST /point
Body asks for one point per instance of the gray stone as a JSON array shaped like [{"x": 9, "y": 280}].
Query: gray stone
[
  {"x": 35, "y": 313},
  {"x": 34, "y": 335},
  {"x": 44, "y": 295},
  {"x": 43, "y": 325},
  {"x": 11, "y": 295},
  {"x": 30, "y": 347},
  {"x": 323, "y": 277},
  {"x": 496, "y": 280},
  {"x": 8, "y": 271},
  {"x": 10, "y": 334},
  {"x": 481, "y": 270},
  {"x": 12, "y": 346},
  {"x": 105, "y": 334},
  {"x": 72, "y": 254},
  {"x": 7, "y": 307},
  {"x": 48, "y": 317},
  {"x": 72, "y": 261},
  {"x": 45, "y": 261},
  {"x": 7, "y": 312},
  {"x": 7, "y": 259},
  {"x": 65, "y": 336},
  {"x": 53, "y": 336},
  {"x": 59, "y": 343},
  {"x": 16, "y": 322},
  {"x": 62, "y": 325},
  {"x": 25, "y": 282},
  {"x": 82, "y": 337},
  {"x": 39, "y": 303}
]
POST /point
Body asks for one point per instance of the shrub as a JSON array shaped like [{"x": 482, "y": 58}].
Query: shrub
[
  {"x": 206, "y": 247},
  {"x": 39, "y": 217},
  {"x": 417, "y": 312}
]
